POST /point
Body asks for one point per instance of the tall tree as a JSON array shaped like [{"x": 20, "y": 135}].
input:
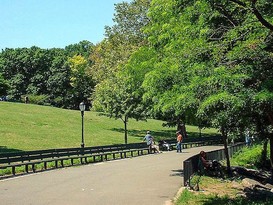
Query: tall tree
[
  {"x": 113, "y": 92},
  {"x": 81, "y": 83},
  {"x": 205, "y": 67},
  {"x": 122, "y": 39},
  {"x": 115, "y": 98}
]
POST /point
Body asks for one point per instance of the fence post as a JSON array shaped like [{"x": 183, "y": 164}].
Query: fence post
[{"x": 187, "y": 165}]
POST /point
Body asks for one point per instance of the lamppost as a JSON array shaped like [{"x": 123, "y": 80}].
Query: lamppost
[{"x": 82, "y": 109}]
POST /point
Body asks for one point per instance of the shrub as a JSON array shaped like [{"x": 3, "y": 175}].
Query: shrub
[
  {"x": 38, "y": 99},
  {"x": 249, "y": 157}
]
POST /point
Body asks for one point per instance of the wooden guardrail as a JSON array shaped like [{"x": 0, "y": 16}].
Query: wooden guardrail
[
  {"x": 30, "y": 159},
  {"x": 190, "y": 165}
]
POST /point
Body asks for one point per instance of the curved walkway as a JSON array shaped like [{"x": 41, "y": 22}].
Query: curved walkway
[{"x": 150, "y": 179}]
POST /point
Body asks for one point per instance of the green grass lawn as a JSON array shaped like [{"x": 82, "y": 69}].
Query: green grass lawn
[{"x": 34, "y": 127}]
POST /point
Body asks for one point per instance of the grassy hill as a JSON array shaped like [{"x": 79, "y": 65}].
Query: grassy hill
[{"x": 33, "y": 127}]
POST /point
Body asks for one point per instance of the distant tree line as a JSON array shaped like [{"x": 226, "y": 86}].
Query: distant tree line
[{"x": 55, "y": 76}]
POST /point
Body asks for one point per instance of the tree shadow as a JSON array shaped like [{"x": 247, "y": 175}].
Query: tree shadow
[
  {"x": 4, "y": 149},
  {"x": 215, "y": 200},
  {"x": 251, "y": 196},
  {"x": 177, "y": 172},
  {"x": 139, "y": 134},
  {"x": 159, "y": 135}
]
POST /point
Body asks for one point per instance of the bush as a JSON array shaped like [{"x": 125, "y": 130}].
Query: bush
[
  {"x": 249, "y": 157},
  {"x": 37, "y": 99}
]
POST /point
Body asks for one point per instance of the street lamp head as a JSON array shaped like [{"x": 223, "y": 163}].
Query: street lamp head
[{"x": 82, "y": 106}]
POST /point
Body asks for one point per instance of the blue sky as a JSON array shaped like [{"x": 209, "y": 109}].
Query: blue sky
[{"x": 53, "y": 23}]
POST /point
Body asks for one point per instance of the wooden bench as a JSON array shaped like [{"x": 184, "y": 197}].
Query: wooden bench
[{"x": 86, "y": 155}]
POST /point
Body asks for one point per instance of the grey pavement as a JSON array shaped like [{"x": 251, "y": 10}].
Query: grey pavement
[{"x": 146, "y": 180}]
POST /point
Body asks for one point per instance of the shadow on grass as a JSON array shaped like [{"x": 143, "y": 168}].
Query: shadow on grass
[
  {"x": 188, "y": 197},
  {"x": 4, "y": 149},
  {"x": 159, "y": 135},
  {"x": 237, "y": 201},
  {"x": 162, "y": 134}
]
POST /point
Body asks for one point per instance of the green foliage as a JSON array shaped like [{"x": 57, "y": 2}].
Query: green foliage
[
  {"x": 3, "y": 86},
  {"x": 83, "y": 48},
  {"x": 211, "y": 64},
  {"x": 80, "y": 81},
  {"x": 122, "y": 39},
  {"x": 116, "y": 92},
  {"x": 249, "y": 157},
  {"x": 38, "y": 99}
]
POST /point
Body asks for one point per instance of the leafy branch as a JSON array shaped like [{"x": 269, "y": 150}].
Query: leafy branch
[{"x": 256, "y": 12}]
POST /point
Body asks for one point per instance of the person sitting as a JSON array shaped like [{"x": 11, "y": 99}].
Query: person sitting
[
  {"x": 164, "y": 145},
  {"x": 155, "y": 147},
  {"x": 208, "y": 165}
]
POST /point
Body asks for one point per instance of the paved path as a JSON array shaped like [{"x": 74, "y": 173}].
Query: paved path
[{"x": 151, "y": 179}]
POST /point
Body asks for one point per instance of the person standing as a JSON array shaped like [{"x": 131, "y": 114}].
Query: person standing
[
  {"x": 26, "y": 99},
  {"x": 247, "y": 138},
  {"x": 179, "y": 139}
]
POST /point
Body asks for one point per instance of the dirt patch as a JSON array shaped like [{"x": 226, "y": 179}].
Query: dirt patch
[{"x": 221, "y": 188}]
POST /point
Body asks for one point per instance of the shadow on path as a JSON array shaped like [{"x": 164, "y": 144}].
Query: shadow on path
[{"x": 178, "y": 172}]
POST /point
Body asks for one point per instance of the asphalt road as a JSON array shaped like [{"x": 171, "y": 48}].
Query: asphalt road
[{"x": 146, "y": 180}]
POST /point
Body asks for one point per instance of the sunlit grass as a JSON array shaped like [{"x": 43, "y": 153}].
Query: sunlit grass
[{"x": 34, "y": 127}]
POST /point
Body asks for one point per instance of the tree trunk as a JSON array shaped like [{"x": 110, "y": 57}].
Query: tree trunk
[
  {"x": 182, "y": 129},
  {"x": 264, "y": 152},
  {"x": 271, "y": 156},
  {"x": 270, "y": 117},
  {"x": 224, "y": 135},
  {"x": 178, "y": 124}
]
